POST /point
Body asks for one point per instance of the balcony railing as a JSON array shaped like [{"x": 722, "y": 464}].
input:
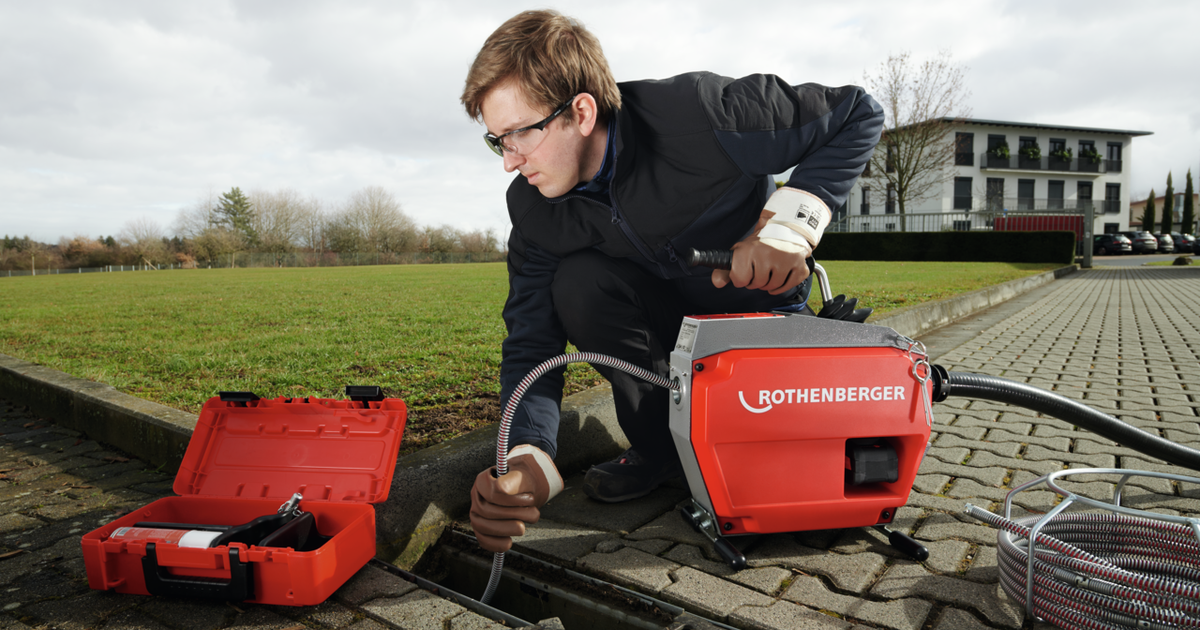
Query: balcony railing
[
  {"x": 1049, "y": 163},
  {"x": 1015, "y": 213},
  {"x": 959, "y": 221}
]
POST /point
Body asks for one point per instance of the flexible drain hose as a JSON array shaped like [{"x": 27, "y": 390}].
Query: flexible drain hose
[
  {"x": 511, "y": 408},
  {"x": 982, "y": 386},
  {"x": 1084, "y": 564},
  {"x": 1084, "y": 570}
]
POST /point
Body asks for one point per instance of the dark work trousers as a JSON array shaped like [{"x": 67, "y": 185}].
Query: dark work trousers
[{"x": 614, "y": 307}]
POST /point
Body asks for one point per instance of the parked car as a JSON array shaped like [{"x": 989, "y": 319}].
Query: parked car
[
  {"x": 1165, "y": 244},
  {"x": 1111, "y": 244},
  {"x": 1143, "y": 242},
  {"x": 1184, "y": 243}
]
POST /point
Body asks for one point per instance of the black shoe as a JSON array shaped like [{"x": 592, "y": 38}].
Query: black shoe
[{"x": 628, "y": 477}]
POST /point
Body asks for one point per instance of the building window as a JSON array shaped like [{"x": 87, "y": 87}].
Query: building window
[
  {"x": 865, "y": 207},
  {"x": 890, "y": 208},
  {"x": 1112, "y": 228},
  {"x": 964, "y": 149},
  {"x": 1113, "y": 159},
  {"x": 962, "y": 193},
  {"x": 1054, "y": 194},
  {"x": 1083, "y": 194},
  {"x": 962, "y": 226},
  {"x": 1025, "y": 194},
  {"x": 993, "y": 161},
  {"x": 995, "y": 194},
  {"x": 1058, "y": 160},
  {"x": 1112, "y": 198},
  {"x": 890, "y": 166},
  {"x": 891, "y": 227}
]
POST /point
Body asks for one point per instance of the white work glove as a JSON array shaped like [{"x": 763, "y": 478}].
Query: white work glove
[
  {"x": 502, "y": 506},
  {"x": 772, "y": 258}
]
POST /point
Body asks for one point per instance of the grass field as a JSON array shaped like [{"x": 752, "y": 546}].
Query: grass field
[{"x": 429, "y": 334}]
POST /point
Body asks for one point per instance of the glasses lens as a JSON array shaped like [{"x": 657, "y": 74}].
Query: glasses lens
[
  {"x": 524, "y": 141},
  {"x": 493, "y": 144}
]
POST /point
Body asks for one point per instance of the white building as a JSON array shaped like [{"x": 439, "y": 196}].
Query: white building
[{"x": 1047, "y": 168}]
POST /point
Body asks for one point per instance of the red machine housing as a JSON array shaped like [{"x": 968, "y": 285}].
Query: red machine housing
[
  {"x": 244, "y": 460},
  {"x": 768, "y": 407}
]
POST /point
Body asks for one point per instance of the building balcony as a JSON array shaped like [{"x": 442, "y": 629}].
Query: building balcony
[
  {"x": 1034, "y": 204},
  {"x": 1050, "y": 164}
]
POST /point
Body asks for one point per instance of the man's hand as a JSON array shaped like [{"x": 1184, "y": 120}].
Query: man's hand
[
  {"x": 768, "y": 264},
  {"x": 501, "y": 506}
]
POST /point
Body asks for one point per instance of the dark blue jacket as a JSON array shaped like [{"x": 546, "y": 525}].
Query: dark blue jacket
[{"x": 695, "y": 155}]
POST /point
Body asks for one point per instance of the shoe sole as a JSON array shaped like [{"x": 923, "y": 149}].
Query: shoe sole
[
  {"x": 590, "y": 491},
  {"x": 621, "y": 499}
]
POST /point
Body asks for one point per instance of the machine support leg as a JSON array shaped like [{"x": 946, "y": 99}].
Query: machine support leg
[
  {"x": 702, "y": 521},
  {"x": 905, "y": 544}
]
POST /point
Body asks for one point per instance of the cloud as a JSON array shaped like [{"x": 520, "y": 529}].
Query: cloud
[{"x": 117, "y": 110}]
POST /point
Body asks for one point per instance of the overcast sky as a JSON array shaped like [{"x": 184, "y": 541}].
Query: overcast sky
[{"x": 118, "y": 110}]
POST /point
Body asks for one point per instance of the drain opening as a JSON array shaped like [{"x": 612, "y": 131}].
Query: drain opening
[{"x": 532, "y": 590}]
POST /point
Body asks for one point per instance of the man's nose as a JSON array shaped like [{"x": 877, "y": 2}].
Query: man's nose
[{"x": 512, "y": 161}]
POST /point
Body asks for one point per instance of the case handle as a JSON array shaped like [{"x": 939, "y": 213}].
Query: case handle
[{"x": 240, "y": 586}]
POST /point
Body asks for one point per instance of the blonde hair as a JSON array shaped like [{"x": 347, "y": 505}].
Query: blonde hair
[{"x": 550, "y": 57}]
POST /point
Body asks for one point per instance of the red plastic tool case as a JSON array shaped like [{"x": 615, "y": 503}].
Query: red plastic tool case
[{"x": 245, "y": 459}]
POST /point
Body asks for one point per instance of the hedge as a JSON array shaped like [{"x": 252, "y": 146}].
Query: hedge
[{"x": 1031, "y": 247}]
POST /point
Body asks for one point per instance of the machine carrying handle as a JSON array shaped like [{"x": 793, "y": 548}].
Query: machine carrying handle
[
  {"x": 159, "y": 581},
  {"x": 723, "y": 259}
]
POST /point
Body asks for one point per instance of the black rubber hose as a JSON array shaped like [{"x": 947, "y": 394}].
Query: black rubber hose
[{"x": 984, "y": 387}]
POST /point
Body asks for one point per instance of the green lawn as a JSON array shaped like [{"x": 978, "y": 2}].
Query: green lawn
[{"x": 429, "y": 334}]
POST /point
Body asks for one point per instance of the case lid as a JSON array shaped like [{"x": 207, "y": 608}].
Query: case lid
[{"x": 325, "y": 449}]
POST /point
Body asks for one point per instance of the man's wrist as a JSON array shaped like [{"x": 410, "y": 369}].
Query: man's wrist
[
  {"x": 544, "y": 463},
  {"x": 799, "y": 215}
]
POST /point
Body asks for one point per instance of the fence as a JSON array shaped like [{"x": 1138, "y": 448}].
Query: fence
[
  {"x": 55, "y": 272},
  {"x": 244, "y": 260},
  {"x": 960, "y": 221},
  {"x": 331, "y": 259}
]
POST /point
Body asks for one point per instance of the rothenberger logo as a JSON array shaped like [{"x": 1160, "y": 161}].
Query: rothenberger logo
[{"x": 768, "y": 398}]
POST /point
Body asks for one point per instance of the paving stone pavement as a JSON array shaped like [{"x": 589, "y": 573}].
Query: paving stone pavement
[{"x": 1122, "y": 340}]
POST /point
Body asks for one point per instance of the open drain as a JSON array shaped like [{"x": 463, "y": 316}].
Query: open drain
[{"x": 532, "y": 590}]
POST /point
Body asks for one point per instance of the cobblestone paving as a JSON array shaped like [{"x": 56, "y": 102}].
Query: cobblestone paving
[{"x": 1124, "y": 341}]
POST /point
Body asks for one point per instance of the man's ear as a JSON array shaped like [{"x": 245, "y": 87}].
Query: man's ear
[{"x": 585, "y": 113}]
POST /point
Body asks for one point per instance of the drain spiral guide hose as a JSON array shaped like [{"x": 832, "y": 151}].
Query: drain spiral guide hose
[
  {"x": 1124, "y": 568},
  {"x": 511, "y": 408},
  {"x": 1091, "y": 570}
]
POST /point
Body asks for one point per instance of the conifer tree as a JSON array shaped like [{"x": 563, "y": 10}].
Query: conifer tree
[
  {"x": 235, "y": 212},
  {"x": 1188, "y": 222},
  {"x": 1168, "y": 212},
  {"x": 1148, "y": 215}
]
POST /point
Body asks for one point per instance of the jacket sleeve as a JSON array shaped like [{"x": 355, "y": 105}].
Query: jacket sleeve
[
  {"x": 535, "y": 334},
  {"x": 767, "y": 126}
]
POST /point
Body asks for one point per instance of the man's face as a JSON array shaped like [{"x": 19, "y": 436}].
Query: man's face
[{"x": 554, "y": 166}]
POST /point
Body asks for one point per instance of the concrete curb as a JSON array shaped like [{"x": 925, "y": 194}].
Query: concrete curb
[
  {"x": 421, "y": 502},
  {"x": 916, "y": 320}
]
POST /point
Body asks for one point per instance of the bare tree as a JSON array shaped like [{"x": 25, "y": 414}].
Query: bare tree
[
  {"x": 312, "y": 224},
  {"x": 377, "y": 220},
  {"x": 143, "y": 238},
  {"x": 440, "y": 240},
  {"x": 922, "y": 102},
  {"x": 479, "y": 241},
  {"x": 278, "y": 219}
]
